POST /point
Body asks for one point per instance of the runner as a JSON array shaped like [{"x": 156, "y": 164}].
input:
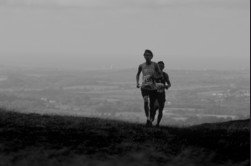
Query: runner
[
  {"x": 149, "y": 71},
  {"x": 162, "y": 83}
]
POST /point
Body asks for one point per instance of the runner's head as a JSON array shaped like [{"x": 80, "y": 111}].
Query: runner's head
[
  {"x": 148, "y": 55},
  {"x": 161, "y": 65}
]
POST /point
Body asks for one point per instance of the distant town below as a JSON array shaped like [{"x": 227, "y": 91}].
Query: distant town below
[{"x": 196, "y": 96}]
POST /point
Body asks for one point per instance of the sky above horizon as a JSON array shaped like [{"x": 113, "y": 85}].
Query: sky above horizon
[{"x": 83, "y": 34}]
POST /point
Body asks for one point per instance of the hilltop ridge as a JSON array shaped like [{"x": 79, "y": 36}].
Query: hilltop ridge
[{"x": 33, "y": 139}]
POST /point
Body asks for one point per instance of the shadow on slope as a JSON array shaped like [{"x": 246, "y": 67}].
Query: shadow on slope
[{"x": 32, "y": 139}]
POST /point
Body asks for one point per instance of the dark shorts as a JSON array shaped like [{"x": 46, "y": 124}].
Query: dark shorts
[
  {"x": 151, "y": 93},
  {"x": 161, "y": 97}
]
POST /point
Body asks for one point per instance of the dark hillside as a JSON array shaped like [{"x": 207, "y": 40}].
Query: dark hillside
[{"x": 32, "y": 139}]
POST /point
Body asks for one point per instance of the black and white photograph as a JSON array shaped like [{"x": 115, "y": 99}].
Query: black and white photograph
[{"x": 124, "y": 82}]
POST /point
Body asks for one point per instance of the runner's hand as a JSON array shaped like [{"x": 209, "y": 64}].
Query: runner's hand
[
  {"x": 167, "y": 86},
  {"x": 138, "y": 86}
]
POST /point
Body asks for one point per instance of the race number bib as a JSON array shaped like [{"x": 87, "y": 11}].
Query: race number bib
[{"x": 147, "y": 80}]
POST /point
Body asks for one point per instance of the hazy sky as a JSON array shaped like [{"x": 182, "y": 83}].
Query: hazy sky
[{"x": 190, "y": 34}]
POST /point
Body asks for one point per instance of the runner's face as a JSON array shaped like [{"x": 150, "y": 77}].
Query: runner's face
[
  {"x": 148, "y": 57},
  {"x": 161, "y": 66}
]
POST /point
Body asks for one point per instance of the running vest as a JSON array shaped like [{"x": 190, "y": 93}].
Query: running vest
[{"x": 148, "y": 72}]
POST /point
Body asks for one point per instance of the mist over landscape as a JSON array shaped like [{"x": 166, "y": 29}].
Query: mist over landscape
[
  {"x": 191, "y": 34},
  {"x": 68, "y": 90},
  {"x": 196, "y": 96},
  {"x": 81, "y": 58}
]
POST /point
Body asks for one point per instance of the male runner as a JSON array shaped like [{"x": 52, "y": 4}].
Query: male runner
[
  {"x": 149, "y": 70},
  {"x": 162, "y": 83}
]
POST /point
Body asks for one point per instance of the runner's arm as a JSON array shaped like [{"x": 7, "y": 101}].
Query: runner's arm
[
  {"x": 166, "y": 77},
  {"x": 137, "y": 75}
]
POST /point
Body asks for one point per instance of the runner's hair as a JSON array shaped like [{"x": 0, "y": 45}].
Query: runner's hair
[
  {"x": 149, "y": 52},
  {"x": 161, "y": 62}
]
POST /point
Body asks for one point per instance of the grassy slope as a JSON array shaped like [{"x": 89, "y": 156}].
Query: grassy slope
[{"x": 32, "y": 139}]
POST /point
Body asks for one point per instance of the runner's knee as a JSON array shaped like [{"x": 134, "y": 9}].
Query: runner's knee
[
  {"x": 162, "y": 105},
  {"x": 160, "y": 112}
]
